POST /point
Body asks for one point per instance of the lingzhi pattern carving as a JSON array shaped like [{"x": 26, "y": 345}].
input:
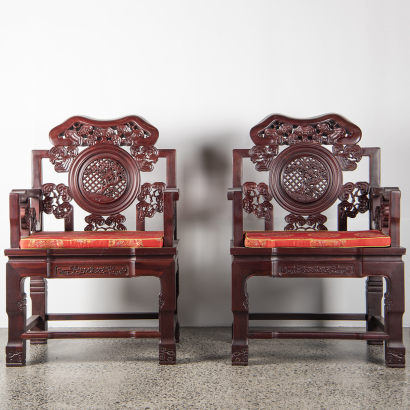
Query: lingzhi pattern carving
[
  {"x": 257, "y": 199},
  {"x": 326, "y": 132},
  {"x": 99, "y": 223},
  {"x": 358, "y": 193},
  {"x": 312, "y": 222},
  {"x": 151, "y": 199},
  {"x": 56, "y": 200}
]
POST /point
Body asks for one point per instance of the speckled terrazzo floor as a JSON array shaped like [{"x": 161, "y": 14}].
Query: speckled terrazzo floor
[{"x": 282, "y": 374}]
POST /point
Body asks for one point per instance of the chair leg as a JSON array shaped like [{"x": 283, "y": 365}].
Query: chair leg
[
  {"x": 240, "y": 318},
  {"x": 395, "y": 352},
  {"x": 38, "y": 294},
  {"x": 16, "y": 311},
  {"x": 176, "y": 307},
  {"x": 374, "y": 296},
  {"x": 167, "y": 323}
]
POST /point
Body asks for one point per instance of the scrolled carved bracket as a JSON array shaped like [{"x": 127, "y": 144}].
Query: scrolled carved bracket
[
  {"x": 56, "y": 200},
  {"x": 151, "y": 199},
  {"x": 348, "y": 156},
  {"x": 262, "y": 156},
  {"x": 257, "y": 200},
  {"x": 358, "y": 193},
  {"x": 99, "y": 223},
  {"x": 381, "y": 216},
  {"x": 312, "y": 222},
  {"x": 146, "y": 157},
  {"x": 62, "y": 157}
]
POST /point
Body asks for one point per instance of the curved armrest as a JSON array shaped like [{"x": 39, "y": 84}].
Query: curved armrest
[
  {"x": 385, "y": 212},
  {"x": 23, "y": 213}
]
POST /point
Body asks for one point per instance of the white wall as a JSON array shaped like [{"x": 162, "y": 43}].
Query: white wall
[{"x": 204, "y": 72}]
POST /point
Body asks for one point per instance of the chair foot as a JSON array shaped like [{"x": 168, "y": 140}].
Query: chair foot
[
  {"x": 167, "y": 353},
  {"x": 15, "y": 356},
  {"x": 239, "y": 355},
  {"x": 395, "y": 355}
]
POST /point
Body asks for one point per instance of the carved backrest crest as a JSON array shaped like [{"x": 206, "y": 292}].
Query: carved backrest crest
[{"x": 331, "y": 129}]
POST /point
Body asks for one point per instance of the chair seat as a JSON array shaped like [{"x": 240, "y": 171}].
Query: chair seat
[
  {"x": 315, "y": 239},
  {"x": 106, "y": 239}
]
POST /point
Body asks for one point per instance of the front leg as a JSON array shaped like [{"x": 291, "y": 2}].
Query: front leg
[
  {"x": 38, "y": 294},
  {"x": 16, "y": 311}
]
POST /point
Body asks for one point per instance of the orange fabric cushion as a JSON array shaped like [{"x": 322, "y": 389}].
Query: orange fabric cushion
[
  {"x": 106, "y": 239},
  {"x": 315, "y": 239}
]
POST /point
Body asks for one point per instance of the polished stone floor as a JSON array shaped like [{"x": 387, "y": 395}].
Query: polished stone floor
[{"x": 282, "y": 374}]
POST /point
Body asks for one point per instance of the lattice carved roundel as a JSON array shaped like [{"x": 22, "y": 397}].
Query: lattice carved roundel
[
  {"x": 104, "y": 179},
  {"x": 305, "y": 179}
]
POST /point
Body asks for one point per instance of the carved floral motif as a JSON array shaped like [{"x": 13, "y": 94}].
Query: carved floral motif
[
  {"x": 151, "y": 199},
  {"x": 21, "y": 303},
  {"x": 104, "y": 180},
  {"x": 62, "y": 157},
  {"x": 99, "y": 223},
  {"x": 358, "y": 193},
  {"x": 161, "y": 301},
  {"x": 326, "y": 132},
  {"x": 327, "y": 269},
  {"x": 146, "y": 157},
  {"x": 256, "y": 200},
  {"x": 90, "y": 270},
  {"x": 312, "y": 222},
  {"x": 305, "y": 179},
  {"x": 262, "y": 156},
  {"x": 56, "y": 200}
]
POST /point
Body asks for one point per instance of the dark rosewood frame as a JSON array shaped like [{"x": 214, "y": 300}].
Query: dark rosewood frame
[
  {"x": 40, "y": 264},
  {"x": 373, "y": 263}
]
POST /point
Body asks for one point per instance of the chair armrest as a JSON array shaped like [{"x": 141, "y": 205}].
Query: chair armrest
[
  {"x": 171, "y": 195},
  {"x": 385, "y": 212},
  {"x": 235, "y": 195},
  {"x": 23, "y": 213}
]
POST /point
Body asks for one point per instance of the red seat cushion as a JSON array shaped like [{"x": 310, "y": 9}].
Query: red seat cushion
[
  {"x": 315, "y": 239},
  {"x": 106, "y": 239}
]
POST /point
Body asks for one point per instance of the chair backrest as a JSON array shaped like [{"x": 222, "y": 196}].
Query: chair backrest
[
  {"x": 305, "y": 178},
  {"x": 103, "y": 178}
]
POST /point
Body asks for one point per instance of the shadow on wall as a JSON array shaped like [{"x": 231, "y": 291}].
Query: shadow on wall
[{"x": 205, "y": 231}]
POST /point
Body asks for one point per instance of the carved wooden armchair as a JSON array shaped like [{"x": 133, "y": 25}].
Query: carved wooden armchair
[
  {"x": 305, "y": 179},
  {"x": 104, "y": 179}
]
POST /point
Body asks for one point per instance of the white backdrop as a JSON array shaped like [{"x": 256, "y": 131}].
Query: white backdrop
[{"x": 203, "y": 72}]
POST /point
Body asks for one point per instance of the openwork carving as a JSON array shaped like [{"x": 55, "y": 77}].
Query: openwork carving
[
  {"x": 30, "y": 219},
  {"x": 83, "y": 134},
  {"x": 396, "y": 356},
  {"x": 91, "y": 270},
  {"x": 240, "y": 356},
  {"x": 348, "y": 156},
  {"x": 256, "y": 200},
  {"x": 381, "y": 217},
  {"x": 151, "y": 199},
  {"x": 15, "y": 357},
  {"x": 161, "y": 301},
  {"x": 56, "y": 200},
  {"x": 146, "y": 157},
  {"x": 166, "y": 354},
  {"x": 332, "y": 129},
  {"x": 262, "y": 156},
  {"x": 305, "y": 179},
  {"x": 312, "y": 222},
  {"x": 245, "y": 303},
  {"x": 327, "y": 269},
  {"x": 62, "y": 157},
  {"x": 358, "y": 193},
  {"x": 99, "y": 223},
  {"x": 104, "y": 180}
]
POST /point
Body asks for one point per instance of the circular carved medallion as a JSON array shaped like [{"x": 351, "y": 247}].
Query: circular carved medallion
[
  {"x": 104, "y": 179},
  {"x": 305, "y": 179}
]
